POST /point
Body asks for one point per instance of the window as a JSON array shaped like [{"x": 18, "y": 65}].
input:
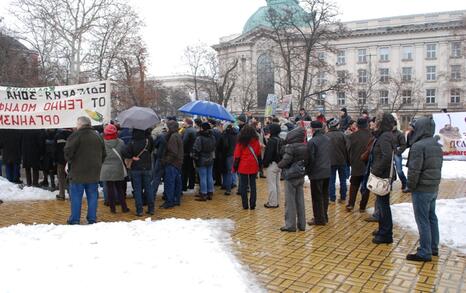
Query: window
[
  {"x": 431, "y": 73},
  {"x": 407, "y": 53},
  {"x": 362, "y": 76},
  {"x": 321, "y": 99},
  {"x": 430, "y": 96},
  {"x": 456, "y": 49},
  {"x": 431, "y": 50},
  {"x": 321, "y": 56},
  {"x": 455, "y": 96},
  {"x": 455, "y": 72},
  {"x": 362, "y": 97},
  {"x": 384, "y": 97},
  {"x": 362, "y": 56},
  {"x": 341, "y": 75},
  {"x": 384, "y": 54},
  {"x": 407, "y": 73},
  {"x": 265, "y": 80},
  {"x": 341, "y": 98},
  {"x": 321, "y": 78},
  {"x": 341, "y": 57},
  {"x": 406, "y": 97},
  {"x": 384, "y": 75}
]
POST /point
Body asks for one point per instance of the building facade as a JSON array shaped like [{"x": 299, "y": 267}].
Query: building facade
[{"x": 411, "y": 65}]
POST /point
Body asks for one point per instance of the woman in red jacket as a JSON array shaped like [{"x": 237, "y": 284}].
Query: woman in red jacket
[{"x": 247, "y": 153}]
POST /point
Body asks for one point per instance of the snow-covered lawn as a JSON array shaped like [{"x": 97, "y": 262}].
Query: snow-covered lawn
[
  {"x": 12, "y": 192},
  {"x": 142, "y": 256},
  {"x": 450, "y": 170},
  {"x": 451, "y": 214}
]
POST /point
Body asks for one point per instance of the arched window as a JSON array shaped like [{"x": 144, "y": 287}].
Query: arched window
[{"x": 265, "y": 79}]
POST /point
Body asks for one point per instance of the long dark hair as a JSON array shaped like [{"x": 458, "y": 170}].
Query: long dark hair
[{"x": 246, "y": 134}]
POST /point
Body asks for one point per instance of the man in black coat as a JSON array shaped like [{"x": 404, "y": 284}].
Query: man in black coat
[
  {"x": 318, "y": 170},
  {"x": 424, "y": 176},
  {"x": 227, "y": 146},
  {"x": 344, "y": 119},
  {"x": 11, "y": 141},
  {"x": 188, "y": 173},
  {"x": 338, "y": 152},
  {"x": 401, "y": 145},
  {"x": 33, "y": 150},
  {"x": 61, "y": 137}
]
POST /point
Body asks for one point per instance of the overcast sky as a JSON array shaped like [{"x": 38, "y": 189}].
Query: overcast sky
[{"x": 174, "y": 24}]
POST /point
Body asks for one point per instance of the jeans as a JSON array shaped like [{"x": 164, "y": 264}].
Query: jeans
[
  {"x": 205, "y": 179},
  {"x": 399, "y": 170},
  {"x": 172, "y": 186},
  {"x": 385, "y": 231},
  {"x": 245, "y": 181},
  {"x": 157, "y": 174},
  {"x": 76, "y": 197},
  {"x": 142, "y": 179},
  {"x": 12, "y": 172},
  {"x": 228, "y": 175},
  {"x": 342, "y": 176},
  {"x": 427, "y": 223}
]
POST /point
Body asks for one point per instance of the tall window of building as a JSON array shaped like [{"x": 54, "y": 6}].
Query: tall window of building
[
  {"x": 321, "y": 56},
  {"x": 431, "y": 51},
  {"x": 321, "y": 78},
  {"x": 362, "y": 55},
  {"x": 265, "y": 80},
  {"x": 321, "y": 99},
  {"x": 407, "y": 53},
  {"x": 406, "y": 97},
  {"x": 455, "y": 96},
  {"x": 431, "y": 73},
  {"x": 341, "y": 57},
  {"x": 430, "y": 96},
  {"x": 362, "y": 76},
  {"x": 407, "y": 73},
  {"x": 384, "y": 54},
  {"x": 383, "y": 97},
  {"x": 456, "y": 49},
  {"x": 341, "y": 98},
  {"x": 384, "y": 75},
  {"x": 341, "y": 75},
  {"x": 362, "y": 97},
  {"x": 455, "y": 72}
]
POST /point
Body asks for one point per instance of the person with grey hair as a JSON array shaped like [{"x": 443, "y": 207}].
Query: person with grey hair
[{"x": 85, "y": 152}]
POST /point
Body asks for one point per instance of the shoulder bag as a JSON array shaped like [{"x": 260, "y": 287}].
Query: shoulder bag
[{"x": 381, "y": 186}]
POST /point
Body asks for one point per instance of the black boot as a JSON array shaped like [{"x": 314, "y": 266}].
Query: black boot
[
  {"x": 202, "y": 197},
  {"x": 210, "y": 195}
]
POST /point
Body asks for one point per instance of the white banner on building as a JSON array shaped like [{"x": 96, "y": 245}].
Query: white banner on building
[
  {"x": 54, "y": 106},
  {"x": 451, "y": 127}
]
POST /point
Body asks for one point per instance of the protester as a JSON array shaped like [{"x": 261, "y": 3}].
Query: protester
[
  {"x": 424, "y": 176},
  {"x": 295, "y": 152},
  {"x": 113, "y": 171},
  {"x": 227, "y": 146},
  {"x": 158, "y": 171},
  {"x": 272, "y": 156},
  {"x": 400, "y": 145},
  {"x": 61, "y": 137},
  {"x": 357, "y": 144},
  {"x": 353, "y": 127},
  {"x": 49, "y": 164},
  {"x": 321, "y": 118},
  {"x": 11, "y": 142},
  {"x": 302, "y": 116},
  {"x": 318, "y": 170},
  {"x": 203, "y": 154},
  {"x": 85, "y": 152},
  {"x": 241, "y": 120},
  {"x": 344, "y": 119},
  {"x": 382, "y": 155},
  {"x": 217, "y": 130},
  {"x": 172, "y": 160},
  {"x": 139, "y": 153},
  {"x": 247, "y": 152},
  {"x": 33, "y": 150},
  {"x": 338, "y": 153},
  {"x": 188, "y": 173}
]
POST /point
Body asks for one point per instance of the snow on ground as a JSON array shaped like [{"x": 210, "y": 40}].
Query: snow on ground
[
  {"x": 450, "y": 170},
  {"x": 12, "y": 192},
  {"x": 451, "y": 216},
  {"x": 166, "y": 256}
]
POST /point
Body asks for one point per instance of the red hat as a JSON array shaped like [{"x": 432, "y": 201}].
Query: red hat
[{"x": 110, "y": 129}]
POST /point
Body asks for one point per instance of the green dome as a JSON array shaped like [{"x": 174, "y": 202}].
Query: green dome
[{"x": 260, "y": 17}]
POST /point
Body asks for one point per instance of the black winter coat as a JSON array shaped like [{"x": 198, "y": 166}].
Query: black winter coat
[
  {"x": 318, "y": 157},
  {"x": 400, "y": 142},
  {"x": 189, "y": 137},
  {"x": 344, "y": 122},
  {"x": 425, "y": 158},
  {"x": 33, "y": 148},
  {"x": 382, "y": 153},
  {"x": 338, "y": 150},
  {"x": 204, "y": 149},
  {"x": 10, "y": 140},
  {"x": 357, "y": 145},
  {"x": 61, "y": 137},
  {"x": 142, "y": 145}
]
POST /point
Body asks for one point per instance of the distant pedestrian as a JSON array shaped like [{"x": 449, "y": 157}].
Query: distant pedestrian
[
  {"x": 204, "y": 154},
  {"x": 272, "y": 156},
  {"x": 338, "y": 152},
  {"x": 61, "y": 137},
  {"x": 344, "y": 119}
]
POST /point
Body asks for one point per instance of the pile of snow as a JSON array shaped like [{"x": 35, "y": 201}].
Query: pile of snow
[
  {"x": 450, "y": 169},
  {"x": 451, "y": 216},
  {"x": 12, "y": 192},
  {"x": 165, "y": 256}
]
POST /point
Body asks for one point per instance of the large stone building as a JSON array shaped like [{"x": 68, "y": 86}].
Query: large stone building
[{"x": 415, "y": 61}]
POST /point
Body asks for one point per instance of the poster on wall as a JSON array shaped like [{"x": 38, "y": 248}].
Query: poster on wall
[
  {"x": 451, "y": 128},
  {"x": 54, "y": 106},
  {"x": 271, "y": 105}
]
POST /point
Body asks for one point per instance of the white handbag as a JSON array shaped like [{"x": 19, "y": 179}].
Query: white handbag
[{"x": 381, "y": 186}]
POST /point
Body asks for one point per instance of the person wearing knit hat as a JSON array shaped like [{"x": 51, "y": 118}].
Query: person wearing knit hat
[
  {"x": 203, "y": 155},
  {"x": 188, "y": 172},
  {"x": 113, "y": 170},
  {"x": 344, "y": 119},
  {"x": 362, "y": 123},
  {"x": 338, "y": 158}
]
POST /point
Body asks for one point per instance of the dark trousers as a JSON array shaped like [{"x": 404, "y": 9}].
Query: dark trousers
[
  {"x": 116, "y": 192},
  {"x": 245, "y": 181},
  {"x": 142, "y": 182},
  {"x": 319, "y": 195},
  {"x": 385, "y": 232},
  {"x": 32, "y": 176},
  {"x": 62, "y": 180},
  {"x": 188, "y": 174},
  {"x": 217, "y": 171},
  {"x": 354, "y": 187},
  {"x": 12, "y": 172}
]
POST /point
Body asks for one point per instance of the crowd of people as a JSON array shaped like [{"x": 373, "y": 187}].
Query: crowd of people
[{"x": 227, "y": 155}]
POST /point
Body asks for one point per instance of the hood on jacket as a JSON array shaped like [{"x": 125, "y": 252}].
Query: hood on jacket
[
  {"x": 274, "y": 129},
  {"x": 423, "y": 128},
  {"x": 296, "y": 135},
  {"x": 172, "y": 126},
  {"x": 207, "y": 132},
  {"x": 387, "y": 122}
]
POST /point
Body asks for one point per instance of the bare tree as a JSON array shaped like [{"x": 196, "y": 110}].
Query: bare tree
[{"x": 195, "y": 57}]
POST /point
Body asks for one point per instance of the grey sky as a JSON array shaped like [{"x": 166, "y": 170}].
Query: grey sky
[{"x": 172, "y": 25}]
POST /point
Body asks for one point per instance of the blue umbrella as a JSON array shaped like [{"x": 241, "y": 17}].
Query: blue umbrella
[{"x": 207, "y": 109}]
